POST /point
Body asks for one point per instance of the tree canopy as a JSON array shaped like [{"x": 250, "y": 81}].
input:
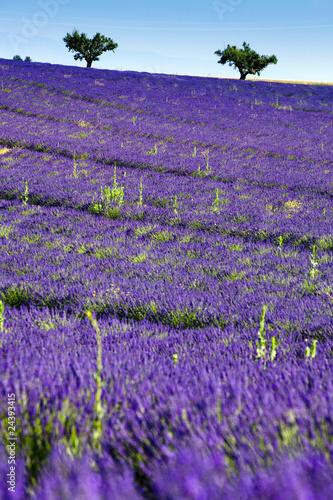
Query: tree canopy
[
  {"x": 86, "y": 48},
  {"x": 247, "y": 61},
  {"x": 19, "y": 58}
]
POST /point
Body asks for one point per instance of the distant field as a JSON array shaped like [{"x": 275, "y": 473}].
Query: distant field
[
  {"x": 276, "y": 81},
  {"x": 166, "y": 286},
  {"x": 291, "y": 81}
]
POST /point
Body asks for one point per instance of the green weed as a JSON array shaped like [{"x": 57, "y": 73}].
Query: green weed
[
  {"x": 162, "y": 236},
  {"x": 98, "y": 406},
  {"x": 153, "y": 151},
  {"x": 108, "y": 196},
  {"x": 5, "y": 231},
  {"x": 26, "y": 195},
  {"x": 139, "y": 258},
  {"x": 67, "y": 416},
  {"x": 141, "y": 231},
  {"x": 288, "y": 432},
  {"x": 2, "y": 315},
  {"x": 16, "y": 296},
  {"x": 175, "y": 206},
  {"x": 217, "y": 201},
  {"x": 310, "y": 352},
  {"x": 140, "y": 194},
  {"x": 262, "y": 342}
]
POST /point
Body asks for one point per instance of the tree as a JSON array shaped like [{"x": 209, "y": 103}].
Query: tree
[
  {"x": 19, "y": 58},
  {"x": 247, "y": 61},
  {"x": 88, "y": 49}
]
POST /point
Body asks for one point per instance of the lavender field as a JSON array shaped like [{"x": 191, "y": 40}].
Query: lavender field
[{"x": 166, "y": 292}]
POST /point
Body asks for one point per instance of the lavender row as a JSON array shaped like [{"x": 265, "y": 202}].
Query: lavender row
[{"x": 193, "y": 475}]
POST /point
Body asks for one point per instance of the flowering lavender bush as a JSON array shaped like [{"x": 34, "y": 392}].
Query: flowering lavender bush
[
  {"x": 83, "y": 478},
  {"x": 166, "y": 294},
  {"x": 200, "y": 477}
]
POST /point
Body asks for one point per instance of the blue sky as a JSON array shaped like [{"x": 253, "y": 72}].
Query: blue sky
[{"x": 177, "y": 36}]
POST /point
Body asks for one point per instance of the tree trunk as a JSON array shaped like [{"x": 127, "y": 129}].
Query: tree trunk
[
  {"x": 89, "y": 63},
  {"x": 243, "y": 76}
]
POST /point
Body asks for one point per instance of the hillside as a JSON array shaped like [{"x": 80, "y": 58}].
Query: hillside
[{"x": 192, "y": 219}]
